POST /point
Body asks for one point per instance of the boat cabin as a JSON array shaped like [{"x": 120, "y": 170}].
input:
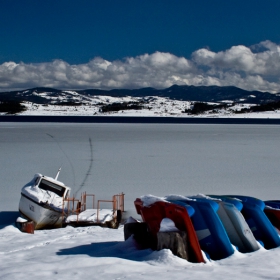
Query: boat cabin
[{"x": 48, "y": 184}]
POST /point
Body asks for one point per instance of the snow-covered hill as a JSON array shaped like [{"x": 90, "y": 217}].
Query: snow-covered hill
[
  {"x": 156, "y": 106},
  {"x": 44, "y": 101}
]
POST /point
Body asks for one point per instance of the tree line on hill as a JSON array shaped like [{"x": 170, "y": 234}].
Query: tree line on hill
[{"x": 11, "y": 107}]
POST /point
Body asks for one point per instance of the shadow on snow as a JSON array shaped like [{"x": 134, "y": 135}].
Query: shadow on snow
[
  {"x": 8, "y": 218},
  {"x": 122, "y": 249}
]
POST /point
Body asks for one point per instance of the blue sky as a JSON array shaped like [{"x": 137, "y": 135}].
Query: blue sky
[{"x": 44, "y": 33}]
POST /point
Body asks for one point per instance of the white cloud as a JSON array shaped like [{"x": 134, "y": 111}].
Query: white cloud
[
  {"x": 241, "y": 59},
  {"x": 252, "y": 68}
]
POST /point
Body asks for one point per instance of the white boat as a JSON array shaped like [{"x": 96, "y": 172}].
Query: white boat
[
  {"x": 42, "y": 201},
  {"x": 46, "y": 202}
]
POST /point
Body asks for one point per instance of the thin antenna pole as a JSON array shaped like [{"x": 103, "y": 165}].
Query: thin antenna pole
[{"x": 57, "y": 174}]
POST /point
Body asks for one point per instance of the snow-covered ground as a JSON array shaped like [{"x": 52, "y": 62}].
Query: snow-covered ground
[{"x": 102, "y": 253}]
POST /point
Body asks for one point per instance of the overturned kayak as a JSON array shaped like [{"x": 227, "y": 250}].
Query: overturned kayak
[
  {"x": 238, "y": 231},
  {"x": 260, "y": 225}
]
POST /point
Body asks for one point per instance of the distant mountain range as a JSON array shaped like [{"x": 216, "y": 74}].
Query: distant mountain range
[{"x": 43, "y": 95}]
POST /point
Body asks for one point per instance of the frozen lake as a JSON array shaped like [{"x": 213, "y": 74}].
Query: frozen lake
[{"x": 139, "y": 159}]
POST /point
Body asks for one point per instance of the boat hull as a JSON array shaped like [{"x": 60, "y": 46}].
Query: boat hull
[{"x": 41, "y": 214}]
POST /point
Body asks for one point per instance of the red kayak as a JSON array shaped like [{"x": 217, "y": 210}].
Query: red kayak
[
  {"x": 274, "y": 217},
  {"x": 153, "y": 215}
]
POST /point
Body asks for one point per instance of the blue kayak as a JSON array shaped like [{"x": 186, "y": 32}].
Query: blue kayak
[
  {"x": 238, "y": 204},
  {"x": 210, "y": 231},
  {"x": 273, "y": 203},
  {"x": 189, "y": 209}
]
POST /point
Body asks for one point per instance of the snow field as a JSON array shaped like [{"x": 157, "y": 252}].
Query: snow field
[{"x": 102, "y": 253}]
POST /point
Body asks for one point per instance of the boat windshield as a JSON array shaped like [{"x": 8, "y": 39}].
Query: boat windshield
[{"x": 49, "y": 186}]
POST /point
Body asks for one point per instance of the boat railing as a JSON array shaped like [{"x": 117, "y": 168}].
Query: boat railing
[
  {"x": 117, "y": 204},
  {"x": 84, "y": 199},
  {"x": 119, "y": 201},
  {"x": 74, "y": 206}
]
